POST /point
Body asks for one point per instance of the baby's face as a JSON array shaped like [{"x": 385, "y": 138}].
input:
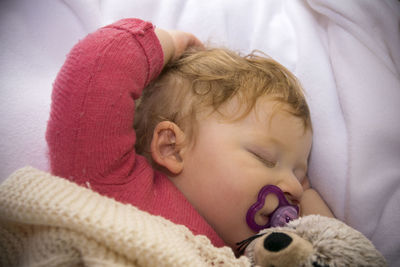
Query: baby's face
[{"x": 231, "y": 161}]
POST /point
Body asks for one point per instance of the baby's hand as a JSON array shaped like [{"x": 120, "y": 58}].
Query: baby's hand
[
  {"x": 311, "y": 202},
  {"x": 182, "y": 41},
  {"x": 174, "y": 43}
]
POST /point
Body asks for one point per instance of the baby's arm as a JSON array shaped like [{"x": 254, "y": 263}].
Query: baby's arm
[
  {"x": 312, "y": 203},
  {"x": 90, "y": 133}
]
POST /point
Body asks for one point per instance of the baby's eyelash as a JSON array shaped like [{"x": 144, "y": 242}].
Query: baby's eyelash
[{"x": 269, "y": 164}]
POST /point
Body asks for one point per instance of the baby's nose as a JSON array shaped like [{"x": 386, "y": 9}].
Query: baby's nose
[{"x": 293, "y": 191}]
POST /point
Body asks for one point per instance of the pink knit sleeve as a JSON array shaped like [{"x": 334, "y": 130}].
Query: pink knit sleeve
[{"x": 90, "y": 131}]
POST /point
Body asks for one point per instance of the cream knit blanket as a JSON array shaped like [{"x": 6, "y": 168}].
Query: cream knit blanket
[{"x": 49, "y": 221}]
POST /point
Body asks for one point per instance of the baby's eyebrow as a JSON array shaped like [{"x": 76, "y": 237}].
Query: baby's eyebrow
[
  {"x": 276, "y": 142},
  {"x": 263, "y": 139}
]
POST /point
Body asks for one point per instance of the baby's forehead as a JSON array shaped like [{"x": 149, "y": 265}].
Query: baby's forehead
[
  {"x": 266, "y": 116},
  {"x": 274, "y": 111},
  {"x": 264, "y": 111}
]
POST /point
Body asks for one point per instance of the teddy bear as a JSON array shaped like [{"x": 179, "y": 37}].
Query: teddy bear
[{"x": 314, "y": 241}]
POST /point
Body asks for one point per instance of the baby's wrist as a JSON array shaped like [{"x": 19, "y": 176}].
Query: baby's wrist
[
  {"x": 312, "y": 203},
  {"x": 167, "y": 44}
]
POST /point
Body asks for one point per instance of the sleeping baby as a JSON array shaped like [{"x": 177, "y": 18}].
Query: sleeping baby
[{"x": 204, "y": 137}]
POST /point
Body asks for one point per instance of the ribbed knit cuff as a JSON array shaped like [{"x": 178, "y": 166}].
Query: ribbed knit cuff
[{"x": 145, "y": 35}]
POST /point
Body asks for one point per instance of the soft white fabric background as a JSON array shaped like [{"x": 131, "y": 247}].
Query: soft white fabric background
[{"x": 346, "y": 54}]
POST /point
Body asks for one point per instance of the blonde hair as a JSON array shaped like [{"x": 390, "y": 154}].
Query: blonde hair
[{"x": 209, "y": 78}]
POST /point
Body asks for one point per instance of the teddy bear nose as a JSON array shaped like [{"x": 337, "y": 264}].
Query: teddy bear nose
[{"x": 277, "y": 241}]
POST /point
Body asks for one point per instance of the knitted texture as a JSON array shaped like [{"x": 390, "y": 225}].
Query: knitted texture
[
  {"x": 90, "y": 131},
  {"x": 48, "y": 221}
]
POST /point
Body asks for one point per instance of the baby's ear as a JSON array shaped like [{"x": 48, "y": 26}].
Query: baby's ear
[{"x": 166, "y": 146}]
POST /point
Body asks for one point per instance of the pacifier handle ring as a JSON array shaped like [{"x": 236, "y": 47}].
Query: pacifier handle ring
[{"x": 266, "y": 190}]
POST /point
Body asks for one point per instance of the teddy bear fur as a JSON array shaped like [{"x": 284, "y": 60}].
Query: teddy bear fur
[{"x": 313, "y": 241}]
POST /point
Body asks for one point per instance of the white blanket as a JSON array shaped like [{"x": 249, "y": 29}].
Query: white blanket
[{"x": 346, "y": 54}]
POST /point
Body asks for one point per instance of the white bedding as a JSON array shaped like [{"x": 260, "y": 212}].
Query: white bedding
[{"x": 346, "y": 54}]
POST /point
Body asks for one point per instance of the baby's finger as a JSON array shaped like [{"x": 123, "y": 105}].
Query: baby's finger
[
  {"x": 194, "y": 41},
  {"x": 183, "y": 41}
]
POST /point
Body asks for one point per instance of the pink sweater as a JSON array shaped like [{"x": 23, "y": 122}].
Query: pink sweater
[{"x": 90, "y": 131}]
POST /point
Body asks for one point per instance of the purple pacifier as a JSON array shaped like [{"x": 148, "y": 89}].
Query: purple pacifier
[{"x": 284, "y": 213}]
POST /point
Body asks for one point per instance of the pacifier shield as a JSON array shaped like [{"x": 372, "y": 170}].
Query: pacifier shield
[{"x": 284, "y": 213}]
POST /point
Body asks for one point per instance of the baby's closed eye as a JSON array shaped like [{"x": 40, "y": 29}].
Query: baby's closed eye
[{"x": 265, "y": 159}]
